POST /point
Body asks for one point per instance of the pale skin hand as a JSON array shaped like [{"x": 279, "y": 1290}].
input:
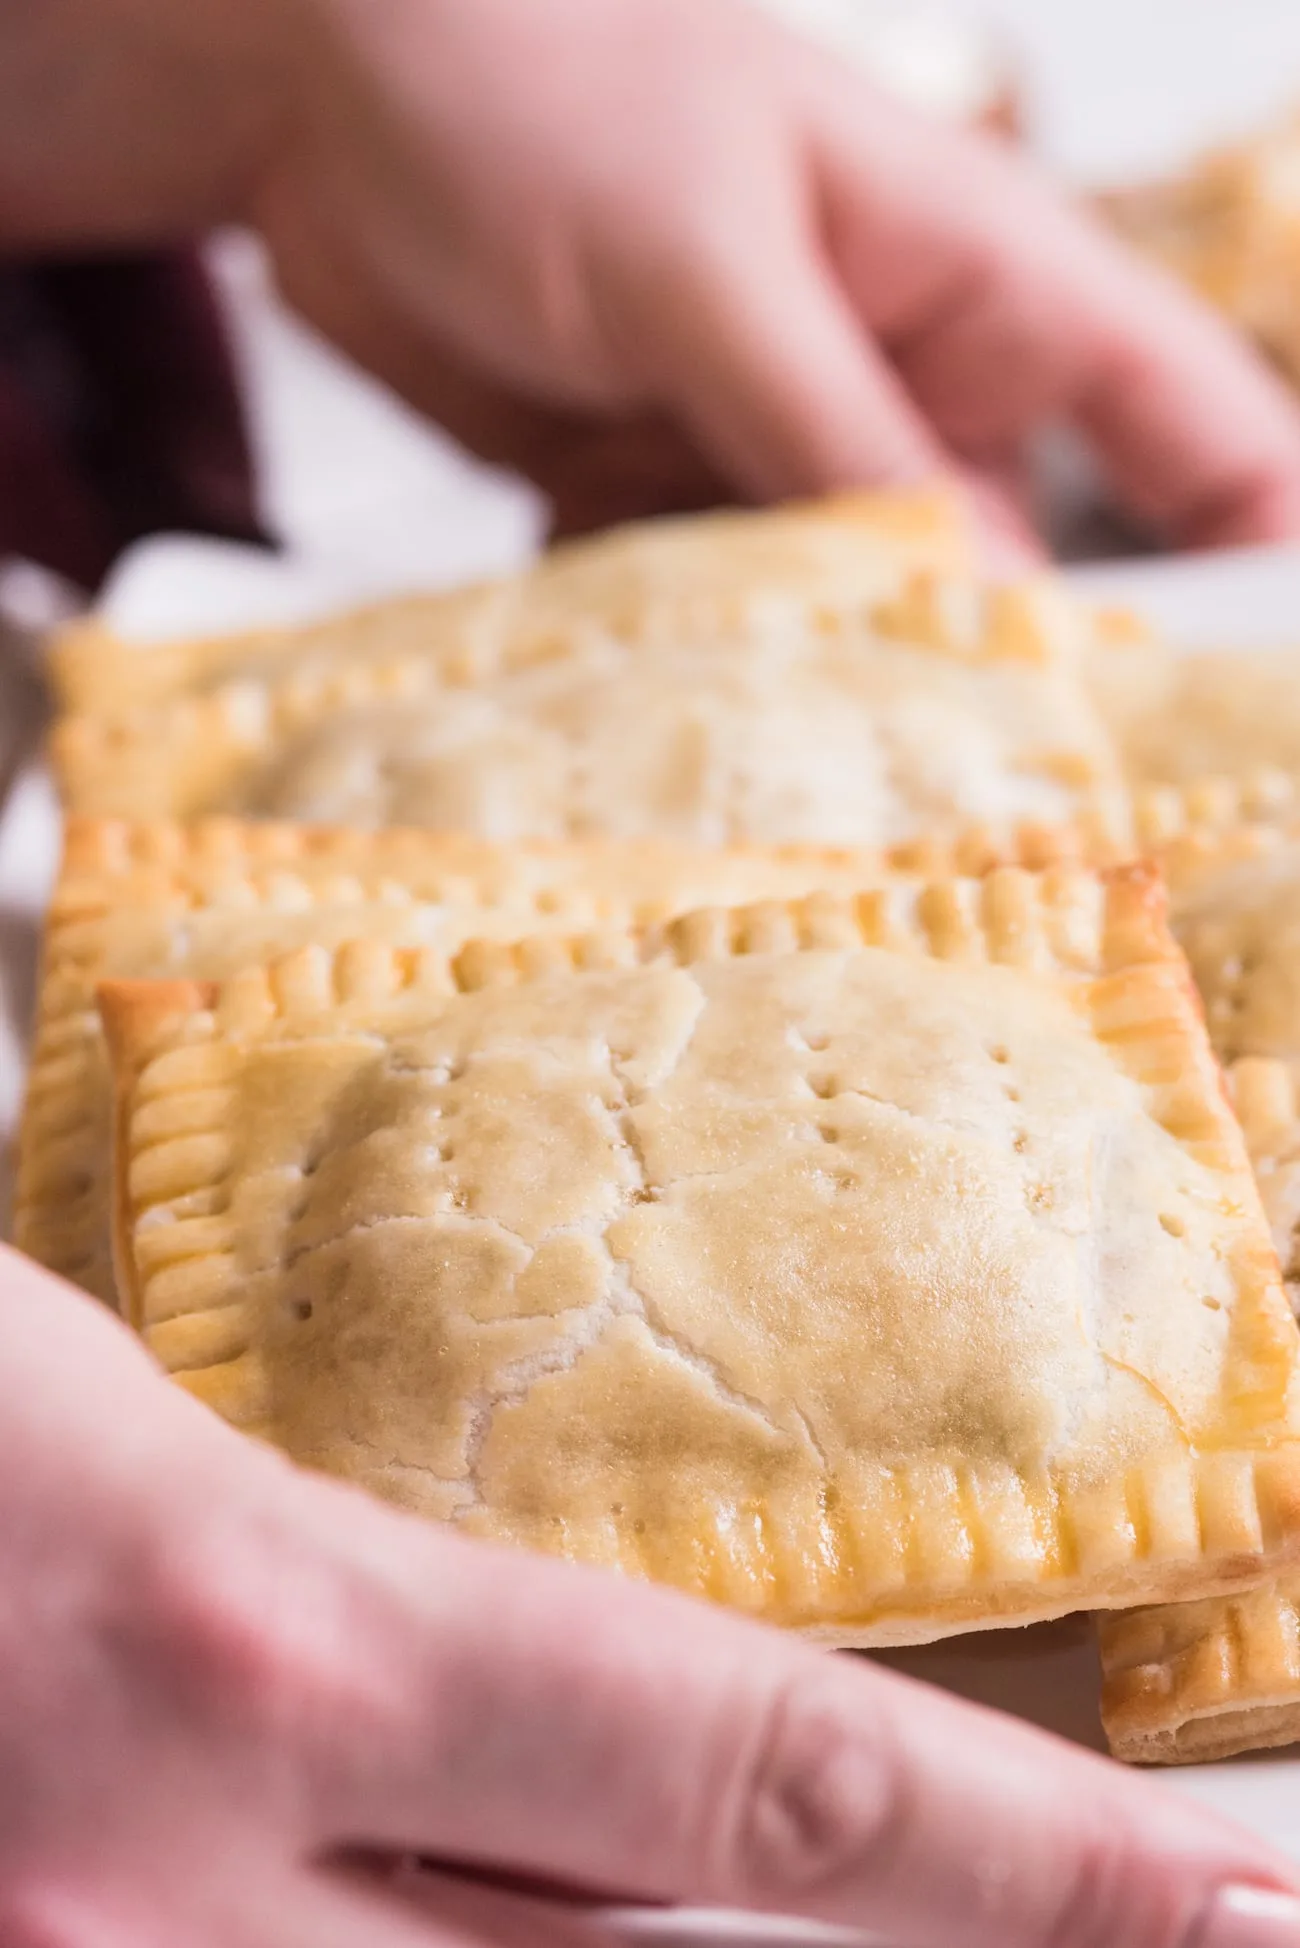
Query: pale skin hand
[
  {"x": 641, "y": 246},
  {"x": 231, "y": 1694},
  {"x": 652, "y": 252},
  {"x": 638, "y": 246}
]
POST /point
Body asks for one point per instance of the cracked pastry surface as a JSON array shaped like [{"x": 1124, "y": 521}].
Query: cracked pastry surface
[
  {"x": 886, "y": 1266},
  {"x": 942, "y": 705},
  {"x": 207, "y": 899},
  {"x": 647, "y": 581}
]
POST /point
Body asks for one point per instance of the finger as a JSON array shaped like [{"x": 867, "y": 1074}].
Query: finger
[
  {"x": 599, "y": 473},
  {"x": 596, "y": 470},
  {"x": 495, "y": 1916},
  {"x": 327, "y": 1909},
  {"x": 1237, "y": 452},
  {"x": 1003, "y": 308},
  {"x": 254, "y": 1904},
  {"x": 379, "y": 1905},
  {"x": 620, "y": 1739},
  {"x": 785, "y": 393},
  {"x": 751, "y": 345},
  {"x": 710, "y": 441},
  {"x": 1002, "y": 505},
  {"x": 319, "y": 1908}
]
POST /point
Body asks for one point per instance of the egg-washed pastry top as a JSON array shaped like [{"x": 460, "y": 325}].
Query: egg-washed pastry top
[
  {"x": 647, "y": 580},
  {"x": 944, "y": 705},
  {"x": 1235, "y": 903},
  {"x": 1197, "y": 1681},
  {"x": 208, "y": 899},
  {"x": 885, "y": 1267}
]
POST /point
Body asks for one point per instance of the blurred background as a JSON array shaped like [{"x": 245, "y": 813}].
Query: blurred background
[{"x": 1111, "y": 93}]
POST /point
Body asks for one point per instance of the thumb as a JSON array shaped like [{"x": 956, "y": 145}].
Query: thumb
[
  {"x": 595, "y": 1733},
  {"x": 761, "y": 360}
]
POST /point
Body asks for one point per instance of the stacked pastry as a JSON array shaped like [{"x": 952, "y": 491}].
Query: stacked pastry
[
  {"x": 762, "y": 1134},
  {"x": 1205, "y": 1680}
]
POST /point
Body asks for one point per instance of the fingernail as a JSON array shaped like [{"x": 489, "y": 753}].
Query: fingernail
[{"x": 1249, "y": 1917}]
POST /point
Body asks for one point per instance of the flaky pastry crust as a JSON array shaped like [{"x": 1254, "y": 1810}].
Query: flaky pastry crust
[
  {"x": 646, "y": 581},
  {"x": 942, "y": 705},
  {"x": 886, "y": 1266},
  {"x": 1235, "y": 907},
  {"x": 1207, "y": 1680},
  {"x": 1188, "y": 1682},
  {"x": 204, "y": 900}
]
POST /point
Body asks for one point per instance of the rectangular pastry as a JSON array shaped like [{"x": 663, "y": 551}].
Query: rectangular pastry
[
  {"x": 207, "y": 899},
  {"x": 886, "y": 1266},
  {"x": 1205, "y": 1680},
  {"x": 643, "y": 581},
  {"x": 940, "y": 706},
  {"x": 204, "y": 899},
  {"x": 1187, "y": 1682}
]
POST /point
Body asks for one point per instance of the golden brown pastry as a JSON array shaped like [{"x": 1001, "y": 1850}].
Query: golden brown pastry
[
  {"x": 1206, "y": 1680},
  {"x": 648, "y": 581},
  {"x": 213, "y": 897},
  {"x": 207, "y": 899},
  {"x": 944, "y": 705},
  {"x": 1235, "y": 908},
  {"x": 1193, "y": 1681},
  {"x": 885, "y": 1266}
]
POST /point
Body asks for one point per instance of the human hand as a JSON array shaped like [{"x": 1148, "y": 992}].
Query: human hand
[
  {"x": 655, "y": 251},
  {"x": 233, "y": 1697}
]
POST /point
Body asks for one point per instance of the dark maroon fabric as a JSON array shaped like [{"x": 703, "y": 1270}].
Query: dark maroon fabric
[{"x": 119, "y": 412}]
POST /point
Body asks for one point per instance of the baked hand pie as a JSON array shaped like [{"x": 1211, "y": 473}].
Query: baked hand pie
[
  {"x": 647, "y": 581},
  {"x": 885, "y": 1266},
  {"x": 207, "y": 899},
  {"x": 1205, "y": 1680},
  {"x": 1187, "y": 1682},
  {"x": 943, "y": 705}
]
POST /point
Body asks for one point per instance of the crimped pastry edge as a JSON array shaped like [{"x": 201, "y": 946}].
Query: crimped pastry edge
[
  {"x": 181, "y": 757},
  {"x": 1242, "y": 1504},
  {"x": 1188, "y": 1682},
  {"x": 98, "y": 672}
]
